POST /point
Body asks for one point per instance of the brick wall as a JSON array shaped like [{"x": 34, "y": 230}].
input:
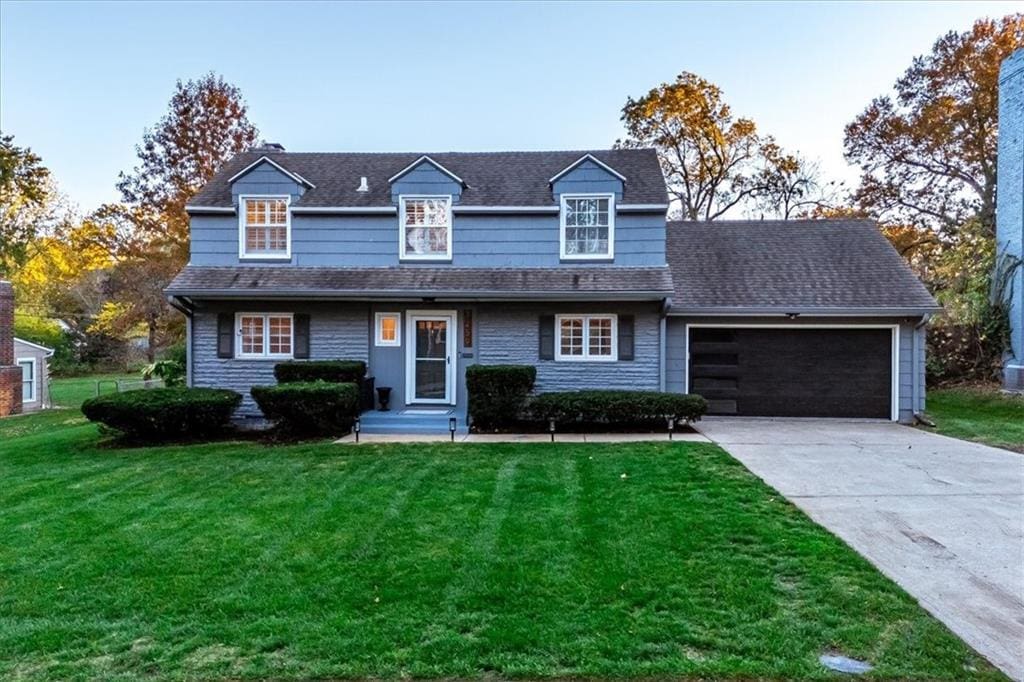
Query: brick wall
[{"x": 10, "y": 374}]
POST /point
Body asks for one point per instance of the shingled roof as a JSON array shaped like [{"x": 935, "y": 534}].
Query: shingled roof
[
  {"x": 820, "y": 266},
  {"x": 492, "y": 178},
  {"x": 600, "y": 283}
]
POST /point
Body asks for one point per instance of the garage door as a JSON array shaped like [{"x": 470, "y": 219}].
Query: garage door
[{"x": 793, "y": 372}]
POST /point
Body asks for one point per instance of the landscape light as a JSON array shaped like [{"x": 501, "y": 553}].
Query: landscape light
[
  {"x": 551, "y": 428},
  {"x": 671, "y": 426},
  {"x": 355, "y": 428},
  {"x": 451, "y": 427}
]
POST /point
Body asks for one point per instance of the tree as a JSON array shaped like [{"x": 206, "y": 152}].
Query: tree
[
  {"x": 206, "y": 124},
  {"x": 25, "y": 202},
  {"x": 792, "y": 186},
  {"x": 709, "y": 157},
  {"x": 928, "y": 156}
]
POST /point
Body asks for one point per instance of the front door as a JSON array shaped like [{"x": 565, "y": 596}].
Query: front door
[{"x": 430, "y": 367}]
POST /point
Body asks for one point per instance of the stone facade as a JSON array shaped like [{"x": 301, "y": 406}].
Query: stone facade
[
  {"x": 1010, "y": 210},
  {"x": 10, "y": 374}
]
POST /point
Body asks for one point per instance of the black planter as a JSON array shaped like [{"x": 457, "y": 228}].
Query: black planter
[{"x": 384, "y": 396}]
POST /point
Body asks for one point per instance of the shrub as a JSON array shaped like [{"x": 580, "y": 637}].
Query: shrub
[
  {"x": 497, "y": 393},
  {"x": 309, "y": 408},
  {"x": 332, "y": 371},
  {"x": 164, "y": 413},
  {"x": 616, "y": 408}
]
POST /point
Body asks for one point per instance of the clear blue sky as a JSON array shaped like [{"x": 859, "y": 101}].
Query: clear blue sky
[{"x": 79, "y": 81}]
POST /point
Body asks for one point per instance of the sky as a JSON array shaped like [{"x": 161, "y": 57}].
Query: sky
[{"x": 80, "y": 81}]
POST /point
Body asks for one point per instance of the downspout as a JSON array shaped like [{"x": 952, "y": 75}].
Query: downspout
[
  {"x": 916, "y": 355},
  {"x": 186, "y": 309},
  {"x": 662, "y": 330}
]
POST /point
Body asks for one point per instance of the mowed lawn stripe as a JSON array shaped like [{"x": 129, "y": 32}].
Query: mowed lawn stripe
[{"x": 249, "y": 561}]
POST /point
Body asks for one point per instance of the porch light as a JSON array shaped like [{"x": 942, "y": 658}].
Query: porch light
[
  {"x": 355, "y": 428},
  {"x": 451, "y": 427},
  {"x": 671, "y": 426},
  {"x": 551, "y": 429}
]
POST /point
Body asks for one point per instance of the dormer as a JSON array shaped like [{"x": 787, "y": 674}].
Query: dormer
[
  {"x": 588, "y": 175},
  {"x": 426, "y": 177},
  {"x": 262, "y": 193}
]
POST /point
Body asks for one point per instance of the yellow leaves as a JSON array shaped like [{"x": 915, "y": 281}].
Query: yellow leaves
[{"x": 115, "y": 319}]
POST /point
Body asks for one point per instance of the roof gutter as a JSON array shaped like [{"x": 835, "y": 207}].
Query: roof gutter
[
  {"x": 407, "y": 295},
  {"x": 860, "y": 311}
]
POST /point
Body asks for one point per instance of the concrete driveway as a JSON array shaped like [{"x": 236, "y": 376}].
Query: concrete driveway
[{"x": 944, "y": 518}]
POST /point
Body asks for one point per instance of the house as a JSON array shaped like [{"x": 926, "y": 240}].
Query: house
[
  {"x": 422, "y": 264},
  {"x": 1010, "y": 209},
  {"x": 10, "y": 374},
  {"x": 32, "y": 358}
]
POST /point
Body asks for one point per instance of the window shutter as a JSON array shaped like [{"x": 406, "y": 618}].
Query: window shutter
[
  {"x": 225, "y": 335},
  {"x": 626, "y": 335},
  {"x": 547, "y": 337},
  {"x": 301, "y": 335}
]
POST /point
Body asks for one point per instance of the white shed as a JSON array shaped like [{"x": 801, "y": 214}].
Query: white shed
[{"x": 35, "y": 374}]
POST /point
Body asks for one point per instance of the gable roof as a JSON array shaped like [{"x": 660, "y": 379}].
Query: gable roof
[
  {"x": 586, "y": 157},
  {"x": 263, "y": 159},
  {"x": 812, "y": 266},
  {"x": 433, "y": 163},
  {"x": 48, "y": 351},
  {"x": 491, "y": 178}
]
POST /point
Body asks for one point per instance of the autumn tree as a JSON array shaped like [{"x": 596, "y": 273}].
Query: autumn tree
[
  {"x": 26, "y": 202},
  {"x": 928, "y": 153},
  {"x": 793, "y": 187},
  {"x": 207, "y": 123}
]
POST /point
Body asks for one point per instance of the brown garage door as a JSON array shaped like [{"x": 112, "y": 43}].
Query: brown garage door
[{"x": 793, "y": 372}]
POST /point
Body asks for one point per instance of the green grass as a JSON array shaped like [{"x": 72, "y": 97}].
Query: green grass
[
  {"x": 317, "y": 560},
  {"x": 980, "y": 414},
  {"x": 67, "y": 395}
]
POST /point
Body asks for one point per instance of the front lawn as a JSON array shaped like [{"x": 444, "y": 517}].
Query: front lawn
[
  {"x": 982, "y": 414},
  {"x": 249, "y": 561}
]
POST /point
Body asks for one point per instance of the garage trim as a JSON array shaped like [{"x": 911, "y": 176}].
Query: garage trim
[{"x": 894, "y": 398}]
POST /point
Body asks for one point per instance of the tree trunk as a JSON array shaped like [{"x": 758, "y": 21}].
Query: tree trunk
[{"x": 151, "y": 345}]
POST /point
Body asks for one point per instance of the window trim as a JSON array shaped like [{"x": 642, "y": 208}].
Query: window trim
[
  {"x": 266, "y": 354},
  {"x": 610, "y": 196},
  {"x": 586, "y": 357},
  {"x": 377, "y": 339},
  {"x": 242, "y": 253},
  {"x": 35, "y": 379},
  {"x": 402, "y": 255}
]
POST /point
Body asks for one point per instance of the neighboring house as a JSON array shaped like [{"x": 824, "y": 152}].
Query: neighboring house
[
  {"x": 32, "y": 358},
  {"x": 1010, "y": 209},
  {"x": 424, "y": 264}
]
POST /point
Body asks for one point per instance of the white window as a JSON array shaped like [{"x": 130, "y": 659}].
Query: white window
[
  {"x": 264, "y": 227},
  {"x": 28, "y": 379},
  {"x": 262, "y": 335},
  {"x": 588, "y": 226},
  {"x": 586, "y": 337},
  {"x": 389, "y": 329},
  {"x": 425, "y": 228}
]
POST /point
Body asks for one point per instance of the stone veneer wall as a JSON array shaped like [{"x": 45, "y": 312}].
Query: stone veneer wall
[
  {"x": 1010, "y": 209},
  {"x": 10, "y": 374}
]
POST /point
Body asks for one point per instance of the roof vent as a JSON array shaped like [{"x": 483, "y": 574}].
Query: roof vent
[
  {"x": 363, "y": 187},
  {"x": 270, "y": 147}
]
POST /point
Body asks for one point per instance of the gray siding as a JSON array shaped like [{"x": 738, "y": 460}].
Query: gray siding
[
  {"x": 479, "y": 241},
  {"x": 265, "y": 179},
  {"x": 509, "y": 334},
  {"x": 337, "y": 331},
  {"x": 23, "y": 351},
  {"x": 425, "y": 178},
  {"x": 587, "y": 178},
  {"x": 911, "y": 353}
]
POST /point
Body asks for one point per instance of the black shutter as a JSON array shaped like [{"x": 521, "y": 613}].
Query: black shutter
[
  {"x": 225, "y": 335},
  {"x": 301, "y": 335},
  {"x": 626, "y": 335},
  {"x": 546, "y": 337}
]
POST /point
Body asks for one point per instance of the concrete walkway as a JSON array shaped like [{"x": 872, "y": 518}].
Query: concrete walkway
[
  {"x": 377, "y": 438},
  {"x": 944, "y": 518}
]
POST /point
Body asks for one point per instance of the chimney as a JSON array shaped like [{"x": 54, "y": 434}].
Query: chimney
[
  {"x": 1010, "y": 211},
  {"x": 270, "y": 147},
  {"x": 363, "y": 187},
  {"x": 10, "y": 374}
]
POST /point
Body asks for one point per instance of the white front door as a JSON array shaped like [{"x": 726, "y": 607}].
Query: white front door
[{"x": 430, "y": 365}]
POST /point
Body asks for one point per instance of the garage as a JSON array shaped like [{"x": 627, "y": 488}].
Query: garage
[{"x": 793, "y": 371}]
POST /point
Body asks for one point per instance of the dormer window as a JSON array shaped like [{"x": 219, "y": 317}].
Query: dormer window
[
  {"x": 587, "y": 226},
  {"x": 265, "y": 227},
  {"x": 425, "y": 226}
]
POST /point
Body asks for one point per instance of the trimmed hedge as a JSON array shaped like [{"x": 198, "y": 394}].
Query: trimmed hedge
[
  {"x": 498, "y": 393},
  {"x": 616, "y": 408},
  {"x": 162, "y": 414},
  {"x": 332, "y": 371},
  {"x": 309, "y": 408}
]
